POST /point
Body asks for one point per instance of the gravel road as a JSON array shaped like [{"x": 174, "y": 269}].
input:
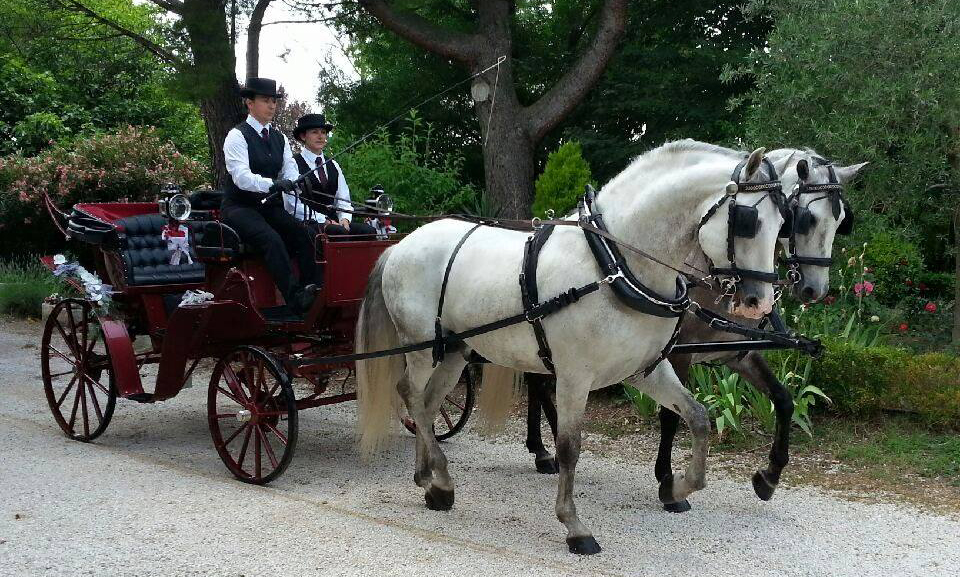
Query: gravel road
[{"x": 151, "y": 497}]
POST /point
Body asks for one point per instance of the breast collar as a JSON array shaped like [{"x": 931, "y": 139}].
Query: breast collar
[
  {"x": 738, "y": 225},
  {"x": 626, "y": 286}
]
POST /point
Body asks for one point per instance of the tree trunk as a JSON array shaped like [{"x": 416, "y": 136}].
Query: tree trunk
[
  {"x": 956, "y": 280},
  {"x": 508, "y": 151},
  {"x": 211, "y": 78},
  {"x": 253, "y": 38}
]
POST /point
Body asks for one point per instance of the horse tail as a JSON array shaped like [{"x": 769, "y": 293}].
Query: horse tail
[
  {"x": 498, "y": 394},
  {"x": 377, "y": 378}
]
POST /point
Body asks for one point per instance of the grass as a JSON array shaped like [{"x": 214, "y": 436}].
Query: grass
[
  {"x": 886, "y": 449},
  {"x": 24, "y": 283}
]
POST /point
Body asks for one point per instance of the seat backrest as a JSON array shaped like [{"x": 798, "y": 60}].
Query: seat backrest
[{"x": 145, "y": 256}]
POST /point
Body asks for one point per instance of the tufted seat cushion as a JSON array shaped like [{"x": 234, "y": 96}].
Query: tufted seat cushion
[{"x": 145, "y": 255}]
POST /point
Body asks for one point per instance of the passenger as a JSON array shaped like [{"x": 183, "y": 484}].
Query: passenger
[
  {"x": 324, "y": 185},
  {"x": 261, "y": 166}
]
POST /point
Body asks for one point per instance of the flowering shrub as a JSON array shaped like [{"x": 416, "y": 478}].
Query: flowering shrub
[{"x": 129, "y": 164}]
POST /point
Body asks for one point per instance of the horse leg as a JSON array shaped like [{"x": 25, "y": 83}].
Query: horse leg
[
  {"x": 421, "y": 473},
  {"x": 667, "y": 389},
  {"x": 756, "y": 370},
  {"x": 669, "y": 422},
  {"x": 439, "y": 492},
  {"x": 538, "y": 398},
  {"x": 571, "y": 401}
]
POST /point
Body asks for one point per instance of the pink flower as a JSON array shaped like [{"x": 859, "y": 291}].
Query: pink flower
[
  {"x": 903, "y": 327},
  {"x": 868, "y": 286},
  {"x": 863, "y": 287},
  {"x": 930, "y": 307}
]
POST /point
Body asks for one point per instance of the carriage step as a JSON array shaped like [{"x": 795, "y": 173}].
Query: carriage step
[{"x": 141, "y": 397}]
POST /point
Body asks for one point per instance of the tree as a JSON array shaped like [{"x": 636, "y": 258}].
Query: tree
[
  {"x": 665, "y": 74},
  {"x": 199, "y": 47},
  {"x": 871, "y": 92},
  {"x": 510, "y": 128},
  {"x": 562, "y": 182},
  {"x": 102, "y": 82}
]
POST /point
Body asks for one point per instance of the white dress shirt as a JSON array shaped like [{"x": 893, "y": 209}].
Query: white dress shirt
[
  {"x": 238, "y": 160},
  {"x": 302, "y": 212}
]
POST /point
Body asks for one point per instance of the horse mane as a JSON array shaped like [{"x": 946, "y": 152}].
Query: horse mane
[{"x": 676, "y": 147}]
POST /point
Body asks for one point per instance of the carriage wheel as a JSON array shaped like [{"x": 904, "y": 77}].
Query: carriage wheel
[
  {"x": 454, "y": 410},
  {"x": 77, "y": 375},
  {"x": 252, "y": 413}
]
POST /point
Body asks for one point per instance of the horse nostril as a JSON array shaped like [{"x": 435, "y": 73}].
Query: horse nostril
[
  {"x": 752, "y": 301},
  {"x": 807, "y": 294}
]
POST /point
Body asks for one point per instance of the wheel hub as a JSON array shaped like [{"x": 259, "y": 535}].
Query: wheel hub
[{"x": 244, "y": 416}]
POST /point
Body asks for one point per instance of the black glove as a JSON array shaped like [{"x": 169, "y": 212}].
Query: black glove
[{"x": 282, "y": 185}]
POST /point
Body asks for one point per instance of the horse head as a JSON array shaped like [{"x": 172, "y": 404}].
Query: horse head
[
  {"x": 738, "y": 235},
  {"x": 819, "y": 212}
]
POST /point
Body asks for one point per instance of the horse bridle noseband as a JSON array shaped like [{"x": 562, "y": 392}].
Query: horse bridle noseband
[
  {"x": 803, "y": 220},
  {"x": 743, "y": 221}
]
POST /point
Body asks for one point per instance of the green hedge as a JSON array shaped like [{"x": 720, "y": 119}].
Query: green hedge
[{"x": 869, "y": 380}]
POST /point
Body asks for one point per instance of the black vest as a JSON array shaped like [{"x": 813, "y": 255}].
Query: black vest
[
  {"x": 266, "y": 159},
  {"x": 313, "y": 186}
]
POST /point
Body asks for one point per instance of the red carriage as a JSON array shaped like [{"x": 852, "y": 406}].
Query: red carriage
[{"x": 91, "y": 353}]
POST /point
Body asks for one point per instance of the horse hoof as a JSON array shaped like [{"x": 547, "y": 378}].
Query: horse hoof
[
  {"x": 762, "y": 487},
  {"x": 583, "y": 545},
  {"x": 438, "y": 499},
  {"x": 678, "y": 507},
  {"x": 547, "y": 466},
  {"x": 666, "y": 490}
]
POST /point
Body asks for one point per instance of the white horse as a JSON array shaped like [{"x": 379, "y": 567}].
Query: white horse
[{"x": 656, "y": 204}]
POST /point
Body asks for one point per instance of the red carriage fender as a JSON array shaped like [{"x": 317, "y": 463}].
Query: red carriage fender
[{"x": 122, "y": 357}]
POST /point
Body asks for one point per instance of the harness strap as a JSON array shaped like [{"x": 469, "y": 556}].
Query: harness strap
[
  {"x": 665, "y": 351},
  {"x": 536, "y": 312},
  {"x": 438, "y": 330},
  {"x": 529, "y": 293}
]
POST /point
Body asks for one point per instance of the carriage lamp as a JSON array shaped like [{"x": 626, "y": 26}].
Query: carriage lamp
[{"x": 174, "y": 204}]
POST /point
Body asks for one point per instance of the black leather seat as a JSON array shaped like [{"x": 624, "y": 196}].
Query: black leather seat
[{"x": 145, "y": 256}]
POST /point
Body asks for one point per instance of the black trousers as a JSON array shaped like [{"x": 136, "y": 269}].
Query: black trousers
[{"x": 276, "y": 235}]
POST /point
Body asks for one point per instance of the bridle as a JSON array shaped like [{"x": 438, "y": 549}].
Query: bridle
[
  {"x": 803, "y": 219},
  {"x": 743, "y": 221}
]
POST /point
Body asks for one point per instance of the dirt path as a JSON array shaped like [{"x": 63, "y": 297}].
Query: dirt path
[{"x": 150, "y": 497}]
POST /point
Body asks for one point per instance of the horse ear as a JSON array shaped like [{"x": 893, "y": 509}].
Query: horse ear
[
  {"x": 782, "y": 163},
  {"x": 753, "y": 163},
  {"x": 847, "y": 173},
  {"x": 803, "y": 170}
]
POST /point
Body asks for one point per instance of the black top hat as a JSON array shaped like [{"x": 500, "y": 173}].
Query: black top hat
[
  {"x": 262, "y": 86},
  {"x": 308, "y": 121}
]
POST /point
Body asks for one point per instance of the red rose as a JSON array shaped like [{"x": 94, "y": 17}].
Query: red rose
[
  {"x": 903, "y": 327},
  {"x": 930, "y": 307}
]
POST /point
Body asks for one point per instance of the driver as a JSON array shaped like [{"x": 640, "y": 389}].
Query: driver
[{"x": 260, "y": 164}]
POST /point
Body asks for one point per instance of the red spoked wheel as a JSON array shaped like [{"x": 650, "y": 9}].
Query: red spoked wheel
[
  {"x": 454, "y": 410},
  {"x": 77, "y": 376},
  {"x": 252, "y": 413}
]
